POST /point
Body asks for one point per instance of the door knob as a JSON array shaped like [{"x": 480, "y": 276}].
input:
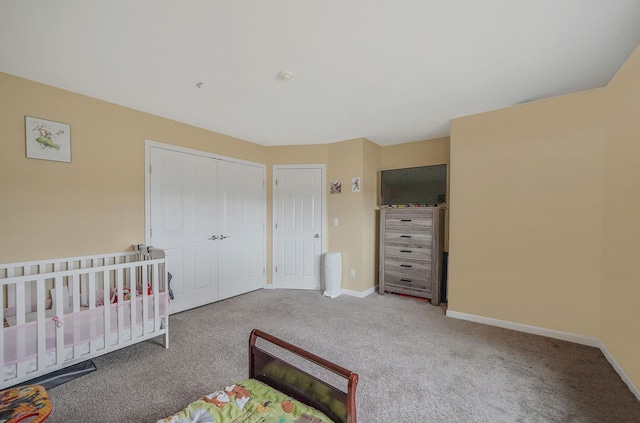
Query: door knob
[
  {"x": 213, "y": 238},
  {"x": 316, "y": 236},
  {"x": 223, "y": 237}
]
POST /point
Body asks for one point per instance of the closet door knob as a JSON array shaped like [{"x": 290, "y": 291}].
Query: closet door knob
[
  {"x": 223, "y": 237},
  {"x": 213, "y": 238},
  {"x": 316, "y": 236}
]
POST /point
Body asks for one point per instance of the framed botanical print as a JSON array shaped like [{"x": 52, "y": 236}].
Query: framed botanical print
[{"x": 47, "y": 140}]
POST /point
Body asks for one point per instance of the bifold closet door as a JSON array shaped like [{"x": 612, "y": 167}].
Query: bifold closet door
[
  {"x": 241, "y": 217},
  {"x": 183, "y": 213}
]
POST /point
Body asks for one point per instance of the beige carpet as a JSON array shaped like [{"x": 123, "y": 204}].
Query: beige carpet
[{"x": 415, "y": 364}]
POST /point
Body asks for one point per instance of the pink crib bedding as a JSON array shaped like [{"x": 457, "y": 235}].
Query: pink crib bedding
[{"x": 79, "y": 328}]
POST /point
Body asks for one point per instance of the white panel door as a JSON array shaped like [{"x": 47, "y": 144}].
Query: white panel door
[
  {"x": 241, "y": 213},
  {"x": 183, "y": 215},
  {"x": 298, "y": 217}
]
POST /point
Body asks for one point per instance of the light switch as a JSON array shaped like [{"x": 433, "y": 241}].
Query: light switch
[{"x": 335, "y": 221}]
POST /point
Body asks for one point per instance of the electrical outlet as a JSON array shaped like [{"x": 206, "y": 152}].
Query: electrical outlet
[{"x": 353, "y": 273}]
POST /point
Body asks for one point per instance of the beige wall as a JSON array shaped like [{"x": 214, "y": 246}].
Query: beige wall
[
  {"x": 620, "y": 293},
  {"x": 526, "y": 205},
  {"x": 346, "y": 162},
  {"x": 413, "y": 154},
  {"x": 370, "y": 218},
  {"x": 95, "y": 204},
  {"x": 544, "y": 206}
]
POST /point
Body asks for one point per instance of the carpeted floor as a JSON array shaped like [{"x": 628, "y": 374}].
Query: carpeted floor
[{"x": 415, "y": 364}]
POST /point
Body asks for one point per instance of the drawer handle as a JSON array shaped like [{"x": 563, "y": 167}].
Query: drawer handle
[
  {"x": 405, "y": 280},
  {"x": 405, "y": 251},
  {"x": 405, "y": 220},
  {"x": 405, "y": 236},
  {"x": 406, "y": 265}
]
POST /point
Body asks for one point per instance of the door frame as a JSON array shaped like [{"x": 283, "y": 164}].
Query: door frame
[
  {"x": 148, "y": 144},
  {"x": 323, "y": 218}
]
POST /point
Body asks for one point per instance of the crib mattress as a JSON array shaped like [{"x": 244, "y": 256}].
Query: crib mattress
[{"x": 247, "y": 401}]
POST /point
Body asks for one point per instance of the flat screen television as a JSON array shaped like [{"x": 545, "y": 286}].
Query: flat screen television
[{"x": 424, "y": 185}]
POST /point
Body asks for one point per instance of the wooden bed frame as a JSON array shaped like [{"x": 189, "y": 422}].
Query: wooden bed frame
[{"x": 300, "y": 385}]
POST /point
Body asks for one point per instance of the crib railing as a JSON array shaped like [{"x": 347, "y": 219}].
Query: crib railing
[{"x": 88, "y": 302}]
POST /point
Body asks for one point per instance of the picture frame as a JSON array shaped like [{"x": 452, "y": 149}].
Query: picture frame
[
  {"x": 47, "y": 139},
  {"x": 336, "y": 186},
  {"x": 355, "y": 184}
]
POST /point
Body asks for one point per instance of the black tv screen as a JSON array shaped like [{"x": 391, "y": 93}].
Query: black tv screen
[{"x": 425, "y": 185}]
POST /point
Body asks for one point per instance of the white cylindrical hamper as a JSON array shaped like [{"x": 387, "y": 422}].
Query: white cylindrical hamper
[{"x": 332, "y": 274}]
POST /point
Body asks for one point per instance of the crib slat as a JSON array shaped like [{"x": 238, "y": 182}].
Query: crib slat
[
  {"x": 28, "y": 298},
  {"x": 75, "y": 295},
  {"x": 107, "y": 309},
  {"x": 133, "y": 303},
  {"x": 120, "y": 310},
  {"x": 156, "y": 297},
  {"x": 40, "y": 325},
  {"x": 145, "y": 304},
  {"x": 11, "y": 289},
  {"x": 20, "y": 304},
  {"x": 83, "y": 284},
  {"x": 144, "y": 287},
  {"x": 60, "y": 324},
  {"x": 92, "y": 305}
]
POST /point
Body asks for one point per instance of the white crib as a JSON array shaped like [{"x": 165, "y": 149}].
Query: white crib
[{"x": 88, "y": 314}]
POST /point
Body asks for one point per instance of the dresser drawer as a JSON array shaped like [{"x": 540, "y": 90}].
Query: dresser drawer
[
  {"x": 399, "y": 252},
  {"x": 422, "y": 238},
  {"x": 408, "y": 268},
  {"x": 408, "y": 250},
  {"x": 409, "y": 286},
  {"x": 408, "y": 224}
]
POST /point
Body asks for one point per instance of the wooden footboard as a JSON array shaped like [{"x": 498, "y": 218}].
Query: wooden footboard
[{"x": 338, "y": 405}]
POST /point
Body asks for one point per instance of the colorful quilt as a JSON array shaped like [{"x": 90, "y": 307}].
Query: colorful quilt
[
  {"x": 25, "y": 404},
  {"x": 248, "y": 401}
]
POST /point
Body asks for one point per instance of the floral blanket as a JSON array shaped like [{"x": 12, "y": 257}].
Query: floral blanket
[
  {"x": 28, "y": 403},
  {"x": 248, "y": 401}
]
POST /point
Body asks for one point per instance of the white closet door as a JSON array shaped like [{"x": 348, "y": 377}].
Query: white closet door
[
  {"x": 241, "y": 217},
  {"x": 183, "y": 214},
  {"x": 298, "y": 217}
]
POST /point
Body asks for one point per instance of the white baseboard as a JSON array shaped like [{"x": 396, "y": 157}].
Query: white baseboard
[
  {"x": 625, "y": 378},
  {"x": 564, "y": 336},
  {"x": 359, "y": 294}
]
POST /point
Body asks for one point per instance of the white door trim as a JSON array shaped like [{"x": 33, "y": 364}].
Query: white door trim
[{"x": 323, "y": 219}]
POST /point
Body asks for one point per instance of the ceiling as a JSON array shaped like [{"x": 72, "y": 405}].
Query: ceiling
[{"x": 389, "y": 71}]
